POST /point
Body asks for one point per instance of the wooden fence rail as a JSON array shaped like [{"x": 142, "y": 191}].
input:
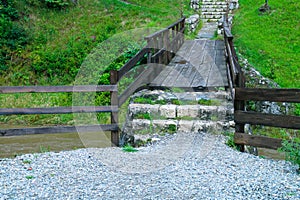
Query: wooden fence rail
[
  {"x": 59, "y": 110},
  {"x": 254, "y": 118}
]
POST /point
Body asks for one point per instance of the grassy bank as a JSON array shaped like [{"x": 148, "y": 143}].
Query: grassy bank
[{"x": 270, "y": 41}]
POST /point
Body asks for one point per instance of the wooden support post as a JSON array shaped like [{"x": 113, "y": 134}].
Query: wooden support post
[
  {"x": 114, "y": 102},
  {"x": 240, "y": 105}
]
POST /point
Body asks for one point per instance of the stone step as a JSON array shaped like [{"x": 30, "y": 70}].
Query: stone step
[
  {"x": 210, "y": 17},
  {"x": 171, "y": 111},
  {"x": 213, "y": 10},
  {"x": 144, "y": 126},
  {"x": 214, "y": 6},
  {"x": 214, "y": 3}
]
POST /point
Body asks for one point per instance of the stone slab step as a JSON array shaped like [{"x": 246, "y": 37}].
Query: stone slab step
[
  {"x": 171, "y": 111},
  {"x": 222, "y": 10},
  {"x": 148, "y": 126}
]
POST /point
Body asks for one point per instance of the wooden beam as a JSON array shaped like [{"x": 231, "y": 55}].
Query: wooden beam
[
  {"x": 283, "y": 121},
  {"x": 257, "y": 141},
  {"x": 58, "y": 110},
  {"x": 262, "y": 94},
  {"x": 132, "y": 62},
  {"x": 58, "y": 129},
  {"x": 51, "y": 89}
]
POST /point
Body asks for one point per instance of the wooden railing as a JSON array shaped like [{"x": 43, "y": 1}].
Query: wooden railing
[
  {"x": 161, "y": 47},
  {"x": 58, "y": 110},
  {"x": 248, "y": 117},
  {"x": 241, "y": 95}
]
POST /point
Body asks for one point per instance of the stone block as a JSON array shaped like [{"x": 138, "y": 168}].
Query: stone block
[{"x": 168, "y": 111}]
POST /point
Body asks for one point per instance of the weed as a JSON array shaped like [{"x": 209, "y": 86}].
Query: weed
[
  {"x": 230, "y": 140},
  {"x": 29, "y": 177},
  {"x": 172, "y": 128},
  {"x": 129, "y": 148},
  {"x": 26, "y": 161}
]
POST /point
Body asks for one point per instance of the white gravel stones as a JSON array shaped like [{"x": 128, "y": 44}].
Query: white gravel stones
[{"x": 185, "y": 166}]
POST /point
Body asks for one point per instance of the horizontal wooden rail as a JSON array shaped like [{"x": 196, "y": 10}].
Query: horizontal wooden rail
[
  {"x": 132, "y": 62},
  {"x": 57, "y": 110},
  {"x": 257, "y": 141},
  {"x": 52, "y": 89},
  {"x": 283, "y": 121},
  {"x": 160, "y": 32},
  {"x": 58, "y": 129},
  {"x": 274, "y": 95}
]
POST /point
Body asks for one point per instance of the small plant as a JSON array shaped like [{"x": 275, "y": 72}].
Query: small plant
[
  {"x": 129, "y": 148},
  {"x": 29, "y": 177},
  {"x": 26, "y": 161},
  {"x": 230, "y": 140},
  {"x": 292, "y": 150},
  {"x": 172, "y": 128}
]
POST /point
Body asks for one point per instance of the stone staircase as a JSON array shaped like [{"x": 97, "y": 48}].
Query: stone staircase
[
  {"x": 213, "y": 10},
  {"x": 183, "y": 112}
]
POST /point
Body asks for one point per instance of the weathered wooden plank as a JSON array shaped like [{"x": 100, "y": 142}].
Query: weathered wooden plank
[
  {"x": 161, "y": 77},
  {"x": 51, "y": 89},
  {"x": 186, "y": 77},
  {"x": 269, "y": 94},
  {"x": 217, "y": 77},
  {"x": 58, "y": 129},
  {"x": 132, "y": 62},
  {"x": 257, "y": 141},
  {"x": 57, "y": 110},
  {"x": 283, "y": 121},
  {"x": 172, "y": 76}
]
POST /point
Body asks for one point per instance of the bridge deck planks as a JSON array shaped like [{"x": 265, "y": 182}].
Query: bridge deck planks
[{"x": 198, "y": 63}]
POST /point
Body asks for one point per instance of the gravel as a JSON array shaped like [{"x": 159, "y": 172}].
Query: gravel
[{"x": 184, "y": 166}]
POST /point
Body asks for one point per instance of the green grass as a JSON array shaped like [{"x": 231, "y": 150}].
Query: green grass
[{"x": 270, "y": 41}]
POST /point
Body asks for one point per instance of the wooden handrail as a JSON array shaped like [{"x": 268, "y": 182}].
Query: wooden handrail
[{"x": 52, "y": 89}]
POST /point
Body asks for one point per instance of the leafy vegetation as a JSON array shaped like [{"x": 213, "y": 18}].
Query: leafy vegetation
[
  {"x": 270, "y": 41},
  {"x": 292, "y": 150}
]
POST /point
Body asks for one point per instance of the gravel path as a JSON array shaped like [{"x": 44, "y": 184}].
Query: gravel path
[{"x": 183, "y": 166}]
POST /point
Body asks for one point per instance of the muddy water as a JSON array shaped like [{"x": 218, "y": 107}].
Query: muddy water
[{"x": 15, "y": 145}]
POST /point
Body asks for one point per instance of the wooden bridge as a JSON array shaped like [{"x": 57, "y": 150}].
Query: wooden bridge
[
  {"x": 172, "y": 62},
  {"x": 199, "y": 64}
]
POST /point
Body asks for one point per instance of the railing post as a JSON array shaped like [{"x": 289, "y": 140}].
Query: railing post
[
  {"x": 240, "y": 105},
  {"x": 114, "y": 102}
]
